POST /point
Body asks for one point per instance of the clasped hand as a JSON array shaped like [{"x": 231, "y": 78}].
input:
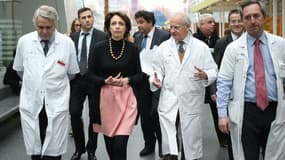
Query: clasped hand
[
  {"x": 156, "y": 81},
  {"x": 118, "y": 80}
]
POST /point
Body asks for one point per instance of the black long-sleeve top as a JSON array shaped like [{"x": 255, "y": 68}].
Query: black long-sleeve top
[{"x": 102, "y": 65}]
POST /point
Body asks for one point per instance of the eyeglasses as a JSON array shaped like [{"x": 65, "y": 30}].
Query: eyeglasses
[
  {"x": 178, "y": 27},
  {"x": 77, "y": 25}
]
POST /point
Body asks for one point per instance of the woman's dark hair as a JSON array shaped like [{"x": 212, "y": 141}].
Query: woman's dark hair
[
  {"x": 125, "y": 18},
  {"x": 72, "y": 27}
]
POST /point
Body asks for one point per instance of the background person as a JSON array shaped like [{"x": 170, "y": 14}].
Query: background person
[
  {"x": 11, "y": 77},
  {"x": 250, "y": 89},
  {"x": 75, "y": 26},
  {"x": 207, "y": 33},
  {"x": 152, "y": 37},
  {"x": 116, "y": 72},
  {"x": 81, "y": 87},
  {"x": 44, "y": 59}
]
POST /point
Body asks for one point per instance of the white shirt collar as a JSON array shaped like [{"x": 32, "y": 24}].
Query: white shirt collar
[
  {"x": 234, "y": 36},
  {"x": 150, "y": 33}
]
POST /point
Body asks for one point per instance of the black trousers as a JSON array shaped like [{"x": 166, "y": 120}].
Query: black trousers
[
  {"x": 154, "y": 116},
  {"x": 255, "y": 129},
  {"x": 77, "y": 98},
  {"x": 222, "y": 137},
  {"x": 43, "y": 122},
  {"x": 117, "y": 147},
  {"x": 147, "y": 107},
  {"x": 230, "y": 149},
  {"x": 37, "y": 157}
]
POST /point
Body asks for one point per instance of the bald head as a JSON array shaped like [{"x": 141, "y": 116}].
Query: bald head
[{"x": 179, "y": 26}]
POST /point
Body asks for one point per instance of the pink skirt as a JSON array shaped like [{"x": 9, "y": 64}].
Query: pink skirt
[{"x": 118, "y": 109}]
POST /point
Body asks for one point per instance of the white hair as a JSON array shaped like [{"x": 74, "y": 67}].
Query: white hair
[
  {"x": 46, "y": 12},
  {"x": 185, "y": 18},
  {"x": 203, "y": 17}
]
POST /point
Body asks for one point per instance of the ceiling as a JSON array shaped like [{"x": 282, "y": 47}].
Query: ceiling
[{"x": 216, "y": 6}]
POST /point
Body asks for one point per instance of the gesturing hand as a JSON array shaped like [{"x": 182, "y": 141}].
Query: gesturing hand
[{"x": 200, "y": 74}]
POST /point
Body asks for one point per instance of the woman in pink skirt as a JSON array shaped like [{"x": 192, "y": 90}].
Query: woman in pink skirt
[{"x": 114, "y": 68}]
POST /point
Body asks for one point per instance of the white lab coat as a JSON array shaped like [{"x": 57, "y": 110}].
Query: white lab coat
[
  {"x": 181, "y": 91},
  {"x": 45, "y": 79},
  {"x": 234, "y": 67}
]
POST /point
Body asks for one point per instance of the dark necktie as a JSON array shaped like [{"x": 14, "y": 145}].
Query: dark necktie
[
  {"x": 144, "y": 42},
  {"x": 181, "y": 50},
  {"x": 260, "y": 84},
  {"x": 83, "y": 57},
  {"x": 46, "y": 42},
  {"x": 209, "y": 42}
]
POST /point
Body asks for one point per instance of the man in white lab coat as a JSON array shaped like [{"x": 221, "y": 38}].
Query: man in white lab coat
[
  {"x": 45, "y": 59},
  {"x": 183, "y": 67},
  {"x": 250, "y": 89}
]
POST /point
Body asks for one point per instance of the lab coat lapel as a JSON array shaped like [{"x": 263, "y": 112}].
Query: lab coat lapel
[
  {"x": 38, "y": 45},
  {"x": 174, "y": 51}
]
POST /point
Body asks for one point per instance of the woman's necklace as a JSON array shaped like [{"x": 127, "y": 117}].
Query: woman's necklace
[{"x": 111, "y": 50}]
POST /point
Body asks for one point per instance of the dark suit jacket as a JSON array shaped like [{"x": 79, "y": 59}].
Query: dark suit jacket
[
  {"x": 97, "y": 36},
  {"x": 158, "y": 37},
  {"x": 199, "y": 35},
  {"x": 219, "y": 50},
  {"x": 144, "y": 100}
]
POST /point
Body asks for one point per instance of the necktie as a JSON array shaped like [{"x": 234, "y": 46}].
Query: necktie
[
  {"x": 260, "y": 84},
  {"x": 144, "y": 42},
  {"x": 181, "y": 50},
  {"x": 83, "y": 56},
  {"x": 209, "y": 41},
  {"x": 46, "y": 42}
]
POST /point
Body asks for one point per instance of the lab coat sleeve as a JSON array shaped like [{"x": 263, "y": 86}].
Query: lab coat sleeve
[
  {"x": 227, "y": 66},
  {"x": 210, "y": 68},
  {"x": 73, "y": 65},
  {"x": 18, "y": 62},
  {"x": 158, "y": 67},
  {"x": 225, "y": 82}
]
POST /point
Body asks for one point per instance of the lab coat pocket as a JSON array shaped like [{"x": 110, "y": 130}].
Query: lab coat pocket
[
  {"x": 31, "y": 59},
  {"x": 276, "y": 142},
  {"x": 60, "y": 68},
  {"x": 234, "y": 111}
]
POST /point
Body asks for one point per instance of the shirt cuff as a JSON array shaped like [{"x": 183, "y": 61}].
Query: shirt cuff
[{"x": 222, "y": 113}]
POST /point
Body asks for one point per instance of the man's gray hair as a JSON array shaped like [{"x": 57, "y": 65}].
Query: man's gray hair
[
  {"x": 46, "y": 12},
  {"x": 203, "y": 17},
  {"x": 185, "y": 18}
]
